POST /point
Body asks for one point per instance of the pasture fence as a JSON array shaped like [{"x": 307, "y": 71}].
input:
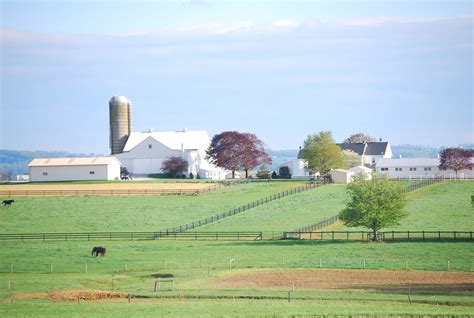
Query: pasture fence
[
  {"x": 333, "y": 219},
  {"x": 234, "y": 211},
  {"x": 112, "y": 192},
  {"x": 385, "y": 236},
  {"x": 229, "y": 236},
  {"x": 422, "y": 183}
]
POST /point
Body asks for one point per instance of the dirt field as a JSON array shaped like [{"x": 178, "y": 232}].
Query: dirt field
[
  {"x": 124, "y": 188},
  {"x": 352, "y": 279},
  {"x": 73, "y": 295}
]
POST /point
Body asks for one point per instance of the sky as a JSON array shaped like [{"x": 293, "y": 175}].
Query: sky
[{"x": 398, "y": 70}]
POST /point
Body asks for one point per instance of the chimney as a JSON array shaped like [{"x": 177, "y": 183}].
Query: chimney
[{"x": 380, "y": 139}]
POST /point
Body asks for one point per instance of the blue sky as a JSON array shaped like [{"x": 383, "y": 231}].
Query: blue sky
[{"x": 397, "y": 70}]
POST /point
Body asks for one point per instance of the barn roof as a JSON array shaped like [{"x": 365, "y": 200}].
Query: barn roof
[
  {"x": 375, "y": 148},
  {"x": 82, "y": 161},
  {"x": 197, "y": 139},
  {"x": 358, "y": 148}
]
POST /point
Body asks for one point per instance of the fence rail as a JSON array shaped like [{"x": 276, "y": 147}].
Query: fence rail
[
  {"x": 382, "y": 236},
  {"x": 231, "y": 236},
  {"x": 107, "y": 192},
  {"x": 237, "y": 210},
  {"x": 421, "y": 184},
  {"x": 333, "y": 219}
]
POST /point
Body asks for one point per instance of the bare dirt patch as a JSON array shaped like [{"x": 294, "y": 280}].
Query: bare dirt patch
[
  {"x": 352, "y": 279},
  {"x": 73, "y": 295}
]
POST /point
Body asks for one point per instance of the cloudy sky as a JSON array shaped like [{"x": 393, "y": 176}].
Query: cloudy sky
[{"x": 397, "y": 70}]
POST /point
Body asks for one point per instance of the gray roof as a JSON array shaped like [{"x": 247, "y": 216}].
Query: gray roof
[
  {"x": 376, "y": 148},
  {"x": 300, "y": 153},
  {"x": 358, "y": 148}
]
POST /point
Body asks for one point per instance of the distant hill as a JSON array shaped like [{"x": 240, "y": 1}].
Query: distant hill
[{"x": 13, "y": 162}]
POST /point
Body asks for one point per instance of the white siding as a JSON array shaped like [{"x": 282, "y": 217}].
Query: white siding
[{"x": 72, "y": 173}]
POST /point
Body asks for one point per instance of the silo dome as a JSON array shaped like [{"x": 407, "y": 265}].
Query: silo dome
[
  {"x": 119, "y": 99},
  {"x": 120, "y": 113}
]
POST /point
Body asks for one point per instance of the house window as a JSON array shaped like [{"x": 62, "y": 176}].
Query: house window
[
  {"x": 427, "y": 168},
  {"x": 398, "y": 169},
  {"x": 150, "y": 146},
  {"x": 91, "y": 172},
  {"x": 384, "y": 169},
  {"x": 412, "y": 169},
  {"x": 45, "y": 174}
]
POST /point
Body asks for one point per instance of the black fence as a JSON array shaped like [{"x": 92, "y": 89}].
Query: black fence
[
  {"x": 230, "y": 236},
  {"x": 112, "y": 192},
  {"x": 333, "y": 219},
  {"x": 421, "y": 184},
  {"x": 237, "y": 210},
  {"x": 382, "y": 236}
]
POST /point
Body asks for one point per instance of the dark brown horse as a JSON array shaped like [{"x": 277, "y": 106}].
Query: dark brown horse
[{"x": 98, "y": 250}]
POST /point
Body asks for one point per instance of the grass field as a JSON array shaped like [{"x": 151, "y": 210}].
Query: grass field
[
  {"x": 145, "y": 213},
  {"x": 201, "y": 268}
]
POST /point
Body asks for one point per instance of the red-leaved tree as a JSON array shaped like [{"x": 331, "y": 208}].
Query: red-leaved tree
[
  {"x": 233, "y": 150},
  {"x": 455, "y": 159},
  {"x": 174, "y": 166}
]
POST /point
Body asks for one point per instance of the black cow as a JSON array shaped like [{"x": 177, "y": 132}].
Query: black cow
[
  {"x": 8, "y": 202},
  {"x": 98, "y": 250}
]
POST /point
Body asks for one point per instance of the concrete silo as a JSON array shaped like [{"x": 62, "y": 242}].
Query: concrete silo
[{"x": 120, "y": 112}]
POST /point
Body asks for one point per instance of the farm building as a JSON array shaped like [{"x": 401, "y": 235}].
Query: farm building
[
  {"x": 145, "y": 152},
  {"x": 341, "y": 176},
  {"x": 364, "y": 170},
  {"x": 73, "y": 169},
  {"x": 371, "y": 152},
  {"x": 414, "y": 168}
]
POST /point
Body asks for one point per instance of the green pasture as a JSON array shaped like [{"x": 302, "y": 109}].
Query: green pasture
[
  {"x": 288, "y": 213},
  {"x": 127, "y": 213},
  {"x": 441, "y": 206},
  {"x": 232, "y": 308},
  {"x": 132, "y": 266}
]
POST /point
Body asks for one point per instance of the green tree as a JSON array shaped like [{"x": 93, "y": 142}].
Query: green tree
[
  {"x": 374, "y": 204},
  {"x": 263, "y": 172},
  {"x": 351, "y": 159},
  {"x": 322, "y": 153}
]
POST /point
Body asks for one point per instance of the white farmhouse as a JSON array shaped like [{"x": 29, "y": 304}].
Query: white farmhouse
[
  {"x": 371, "y": 152},
  {"x": 145, "y": 152},
  {"x": 415, "y": 168},
  {"x": 72, "y": 169}
]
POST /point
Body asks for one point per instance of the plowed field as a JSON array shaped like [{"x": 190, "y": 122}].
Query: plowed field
[{"x": 352, "y": 279}]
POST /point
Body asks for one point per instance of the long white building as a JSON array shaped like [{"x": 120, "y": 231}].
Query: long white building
[
  {"x": 414, "y": 168},
  {"x": 73, "y": 169}
]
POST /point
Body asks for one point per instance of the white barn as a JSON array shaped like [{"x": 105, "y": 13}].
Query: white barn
[
  {"x": 415, "y": 168},
  {"x": 341, "y": 176},
  {"x": 74, "y": 169},
  {"x": 145, "y": 152},
  {"x": 362, "y": 170}
]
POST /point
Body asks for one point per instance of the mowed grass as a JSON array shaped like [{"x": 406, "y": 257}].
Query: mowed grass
[
  {"x": 230, "y": 308},
  {"x": 122, "y": 213},
  {"x": 444, "y": 206},
  {"x": 288, "y": 213}
]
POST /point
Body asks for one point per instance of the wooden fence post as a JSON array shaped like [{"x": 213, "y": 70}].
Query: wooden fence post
[{"x": 86, "y": 267}]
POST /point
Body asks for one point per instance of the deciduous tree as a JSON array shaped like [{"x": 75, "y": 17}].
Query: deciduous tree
[
  {"x": 174, "y": 166},
  {"x": 233, "y": 150},
  {"x": 359, "y": 137},
  {"x": 351, "y": 159},
  {"x": 455, "y": 159},
  {"x": 374, "y": 204},
  {"x": 322, "y": 153}
]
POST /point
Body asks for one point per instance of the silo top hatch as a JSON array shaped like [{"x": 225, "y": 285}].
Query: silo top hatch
[{"x": 119, "y": 99}]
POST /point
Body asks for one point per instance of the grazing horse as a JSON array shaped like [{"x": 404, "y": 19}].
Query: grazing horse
[
  {"x": 8, "y": 202},
  {"x": 98, "y": 250}
]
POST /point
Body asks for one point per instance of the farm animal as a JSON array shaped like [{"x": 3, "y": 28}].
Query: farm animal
[
  {"x": 98, "y": 250},
  {"x": 8, "y": 202}
]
